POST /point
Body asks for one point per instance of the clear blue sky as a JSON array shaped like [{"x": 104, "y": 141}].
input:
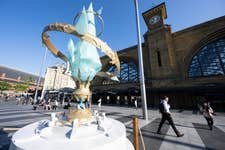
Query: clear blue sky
[{"x": 22, "y": 22}]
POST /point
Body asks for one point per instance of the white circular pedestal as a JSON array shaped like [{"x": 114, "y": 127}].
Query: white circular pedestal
[{"x": 85, "y": 138}]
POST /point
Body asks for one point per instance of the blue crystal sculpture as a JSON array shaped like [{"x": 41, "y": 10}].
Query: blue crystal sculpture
[{"x": 83, "y": 57}]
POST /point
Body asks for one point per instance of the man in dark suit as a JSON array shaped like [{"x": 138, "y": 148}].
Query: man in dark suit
[{"x": 164, "y": 109}]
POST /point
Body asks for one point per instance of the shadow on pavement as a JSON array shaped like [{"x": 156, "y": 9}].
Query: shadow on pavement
[
  {"x": 213, "y": 140},
  {"x": 5, "y": 137},
  {"x": 199, "y": 127}
]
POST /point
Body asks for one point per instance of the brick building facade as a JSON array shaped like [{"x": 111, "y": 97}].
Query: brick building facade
[
  {"x": 14, "y": 77},
  {"x": 187, "y": 65}
]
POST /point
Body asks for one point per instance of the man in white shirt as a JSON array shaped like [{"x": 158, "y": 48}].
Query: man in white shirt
[
  {"x": 165, "y": 111},
  {"x": 99, "y": 103},
  {"x": 135, "y": 103}
]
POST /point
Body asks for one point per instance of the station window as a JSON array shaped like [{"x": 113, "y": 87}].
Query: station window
[
  {"x": 159, "y": 58},
  {"x": 209, "y": 60},
  {"x": 128, "y": 73}
]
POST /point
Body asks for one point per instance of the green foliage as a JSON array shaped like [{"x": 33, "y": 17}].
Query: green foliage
[
  {"x": 20, "y": 87},
  {"x": 28, "y": 80},
  {"x": 4, "y": 86}
]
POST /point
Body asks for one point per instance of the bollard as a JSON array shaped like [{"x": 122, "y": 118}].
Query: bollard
[{"x": 135, "y": 134}]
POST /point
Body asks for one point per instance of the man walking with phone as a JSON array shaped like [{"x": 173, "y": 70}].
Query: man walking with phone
[{"x": 164, "y": 109}]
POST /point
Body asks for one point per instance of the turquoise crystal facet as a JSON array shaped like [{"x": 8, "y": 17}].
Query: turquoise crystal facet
[{"x": 83, "y": 57}]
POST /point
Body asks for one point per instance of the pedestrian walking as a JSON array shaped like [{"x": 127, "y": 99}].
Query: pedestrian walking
[
  {"x": 27, "y": 99},
  {"x": 99, "y": 103},
  {"x": 48, "y": 104},
  {"x": 55, "y": 105},
  {"x": 17, "y": 100},
  {"x": 31, "y": 100},
  {"x": 6, "y": 98},
  {"x": 208, "y": 114},
  {"x": 135, "y": 103},
  {"x": 164, "y": 109}
]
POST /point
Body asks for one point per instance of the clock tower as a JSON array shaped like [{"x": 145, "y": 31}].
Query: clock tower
[
  {"x": 155, "y": 16},
  {"x": 159, "y": 56}
]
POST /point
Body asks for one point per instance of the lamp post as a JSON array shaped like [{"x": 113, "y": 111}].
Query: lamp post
[
  {"x": 140, "y": 61},
  {"x": 39, "y": 78}
]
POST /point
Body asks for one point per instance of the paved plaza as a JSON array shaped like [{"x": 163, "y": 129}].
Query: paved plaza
[{"x": 196, "y": 132}]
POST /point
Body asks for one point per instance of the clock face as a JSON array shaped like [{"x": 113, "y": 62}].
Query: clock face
[{"x": 154, "y": 19}]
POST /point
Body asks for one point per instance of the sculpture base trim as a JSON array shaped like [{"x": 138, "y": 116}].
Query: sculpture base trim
[
  {"x": 86, "y": 137},
  {"x": 84, "y": 116}
]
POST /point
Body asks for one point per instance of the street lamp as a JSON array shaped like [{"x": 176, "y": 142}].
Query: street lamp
[
  {"x": 140, "y": 61},
  {"x": 39, "y": 78}
]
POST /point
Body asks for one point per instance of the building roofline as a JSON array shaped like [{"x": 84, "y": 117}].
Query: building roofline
[
  {"x": 126, "y": 49},
  {"x": 156, "y": 7},
  {"x": 222, "y": 18},
  {"x": 20, "y": 71}
]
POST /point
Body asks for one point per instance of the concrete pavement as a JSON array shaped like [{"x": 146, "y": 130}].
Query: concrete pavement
[{"x": 197, "y": 135}]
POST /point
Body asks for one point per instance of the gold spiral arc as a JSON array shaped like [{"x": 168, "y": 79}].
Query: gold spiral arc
[{"x": 70, "y": 29}]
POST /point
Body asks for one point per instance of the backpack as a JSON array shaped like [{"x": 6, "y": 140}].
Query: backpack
[{"x": 161, "y": 108}]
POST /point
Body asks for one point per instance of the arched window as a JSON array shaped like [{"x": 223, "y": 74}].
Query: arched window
[
  {"x": 128, "y": 73},
  {"x": 209, "y": 61}
]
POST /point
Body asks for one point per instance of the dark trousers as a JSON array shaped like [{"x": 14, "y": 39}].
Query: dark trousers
[
  {"x": 54, "y": 107},
  {"x": 167, "y": 116},
  {"x": 209, "y": 121}
]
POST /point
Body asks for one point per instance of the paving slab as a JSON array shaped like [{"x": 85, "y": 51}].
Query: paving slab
[
  {"x": 213, "y": 139},
  {"x": 193, "y": 125}
]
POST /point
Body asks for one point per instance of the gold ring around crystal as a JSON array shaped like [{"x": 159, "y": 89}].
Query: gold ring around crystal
[
  {"x": 96, "y": 14},
  {"x": 70, "y": 29}
]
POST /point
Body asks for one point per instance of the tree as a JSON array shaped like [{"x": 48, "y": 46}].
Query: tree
[
  {"x": 20, "y": 87},
  {"x": 29, "y": 80},
  {"x": 4, "y": 86}
]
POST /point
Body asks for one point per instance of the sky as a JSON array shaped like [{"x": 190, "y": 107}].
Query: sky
[{"x": 22, "y": 22}]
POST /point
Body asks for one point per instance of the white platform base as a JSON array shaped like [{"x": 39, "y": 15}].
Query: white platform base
[{"x": 87, "y": 137}]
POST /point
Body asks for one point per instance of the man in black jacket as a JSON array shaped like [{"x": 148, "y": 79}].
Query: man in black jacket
[{"x": 164, "y": 109}]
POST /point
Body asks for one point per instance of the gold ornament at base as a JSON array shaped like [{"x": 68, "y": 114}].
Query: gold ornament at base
[
  {"x": 84, "y": 116},
  {"x": 83, "y": 91}
]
